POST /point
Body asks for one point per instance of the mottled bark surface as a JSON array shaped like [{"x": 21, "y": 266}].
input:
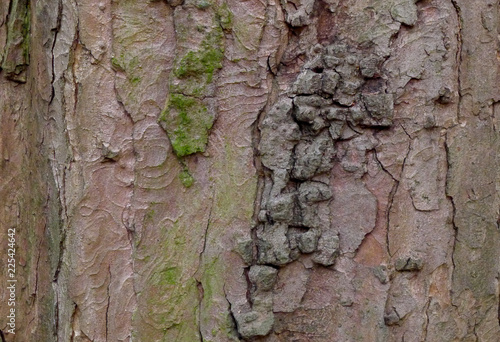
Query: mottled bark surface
[{"x": 222, "y": 170}]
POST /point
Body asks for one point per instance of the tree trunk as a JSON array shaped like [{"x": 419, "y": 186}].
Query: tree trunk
[{"x": 250, "y": 170}]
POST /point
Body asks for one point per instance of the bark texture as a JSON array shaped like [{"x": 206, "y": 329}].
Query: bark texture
[{"x": 225, "y": 170}]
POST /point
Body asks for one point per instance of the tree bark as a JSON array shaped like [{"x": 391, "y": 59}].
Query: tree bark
[{"x": 250, "y": 170}]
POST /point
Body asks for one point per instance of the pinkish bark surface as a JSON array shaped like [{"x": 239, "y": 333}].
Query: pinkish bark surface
[{"x": 251, "y": 170}]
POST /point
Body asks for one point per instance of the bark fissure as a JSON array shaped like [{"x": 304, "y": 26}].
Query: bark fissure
[
  {"x": 72, "y": 323},
  {"x": 458, "y": 57},
  {"x": 234, "y": 323},
  {"x": 207, "y": 226},
  {"x": 56, "y": 32},
  {"x": 201, "y": 291},
  {"x": 35, "y": 290},
  {"x": 390, "y": 204},
  {"x": 257, "y": 162},
  {"x": 498, "y": 309},
  {"x": 108, "y": 294},
  {"x": 458, "y": 61},
  {"x": 199, "y": 276}
]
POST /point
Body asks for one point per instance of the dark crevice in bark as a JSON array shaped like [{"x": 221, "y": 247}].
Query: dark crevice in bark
[
  {"x": 404, "y": 163},
  {"x": 459, "y": 50},
  {"x": 498, "y": 297},
  {"x": 76, "y": 312},
  {"x": 199, "y": 277},
  {"x": 56, "y": 317},
  {"x": 62, "y": 241},
  {"x": 257, "y": 162},
  {"x": 119, "y": 100},
  {"x": 107, "y": 305},
  {"x": 458, "y": 57},
  {"x": 35, "y": 290},
  {"x": 452, "y": 202},
  {"x": 56, "y": 32},
  {"x": 231, "y": 315},
  {"x": 72, "y": 323},
  {"x": 207, "y": 227},
  {"x": 249, "y": 286},
  {"x": 201, "y": 292},
  {"x": 269, "y": 68},
  {"x": 447, "y": 147},
  {"x": 474, "y": 331}
]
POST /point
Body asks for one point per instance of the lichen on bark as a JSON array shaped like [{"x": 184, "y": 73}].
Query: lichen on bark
[{"x": 190, "y": 110}]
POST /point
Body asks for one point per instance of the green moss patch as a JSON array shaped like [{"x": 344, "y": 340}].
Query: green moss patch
[
  {"x": 187, "y": 118},
  {"x": 187, "y": 122},
  {"x": 225, "y": 16},
  {"x": 203, "y": 62},
  {"x": 171, "y": 276},
  {"x": 186, "y": 179}
]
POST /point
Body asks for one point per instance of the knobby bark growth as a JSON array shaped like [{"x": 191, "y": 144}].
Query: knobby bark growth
[{"x": 223, "y": 170}]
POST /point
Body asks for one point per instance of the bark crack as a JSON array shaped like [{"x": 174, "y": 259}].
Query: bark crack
[
  {"x": 56, "y": 32},
  {"x": 199, "y": 281},
  {"x": 72, "y": 323},
  {"x": 35, "y": 291},
  {"x": 201, "y": 291},
  {"x": 107, "y": 306},
  {"x": 231, "y": 314},
  {"x": 207, "y": 228},
  {"x": 454, "y": 210},
  {"x": 458, "y": 57},
  {"x": 498, "y": 310}
]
